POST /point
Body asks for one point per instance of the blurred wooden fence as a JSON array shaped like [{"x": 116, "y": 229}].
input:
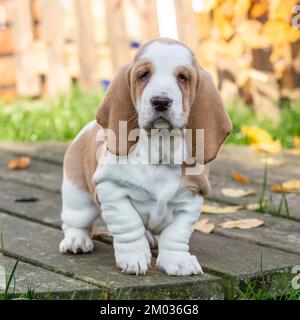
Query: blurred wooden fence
[
  {"x": 47, "y": 45},
  {"x": 249, "y": 46}
]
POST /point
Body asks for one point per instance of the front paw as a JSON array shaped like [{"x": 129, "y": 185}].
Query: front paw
[
  {"x": 133, "y": 257},
  {"x": 76, "y": 241},
  {"x": 177, "y": 263}
]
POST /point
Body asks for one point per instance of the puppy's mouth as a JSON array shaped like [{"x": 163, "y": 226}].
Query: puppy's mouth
[
  {"x": 161, "y": 123},
  {"x": 158, "y": 123}
]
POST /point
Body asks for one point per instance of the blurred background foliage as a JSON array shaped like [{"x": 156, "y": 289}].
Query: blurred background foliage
[
  {"x": 253, "y": 50},
  {"x": 57, "y": 58}
]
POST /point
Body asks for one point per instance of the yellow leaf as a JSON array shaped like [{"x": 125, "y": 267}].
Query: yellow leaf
[
  {"x": 237, "y": 193},
  {"x": 259, "y": 9},
  {"x": 256, "y": 135},
  {"x": 19, "y": 164},
  {"x": 252, "y": 206},
  {"x": 272, "y": 148},
  {"x": 281, "y": 9},
  {"x": 242, "y": 224},
  {"x": 240, "y": 178},
  {"x": 291, "y": 186},
  {"x": 293, "y": 152},
  {"x": 250, "y": 32},
  {"x": 271, "y": 161},
  {"x": 280, "y": 32},
  {"x": 204, "y": 226},
  {"x": 220, "y": 210},
  {"x": 296, "y": 141}
]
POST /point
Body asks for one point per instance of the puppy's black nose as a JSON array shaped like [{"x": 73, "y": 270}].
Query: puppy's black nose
[{"x": 161, "y": 103}]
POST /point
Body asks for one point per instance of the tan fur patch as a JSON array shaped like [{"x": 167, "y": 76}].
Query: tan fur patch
[
  {"x": 80, "y": 161},
  {"x": 187, "y": 89},
  {"x": 196, "y": 183},
  {"x": 137, "y": 85}
]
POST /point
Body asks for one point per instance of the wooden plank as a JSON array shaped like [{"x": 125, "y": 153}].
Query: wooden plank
[
  {"x": 239, "y": 261},
  {"x": 117, "y": 36},
  {"x": 234, "y": 157},
  {"x": 148, "y": 19},
  {"x": 52, "y": 25},
  {"x": 238, "y": 258},
  {"x": 48, "y": 151},
  {"x": 278, "y": 233},
  {"x": 231, "y": 157},
  {"x": 273, "y": 199},
  {"x": 46, "y": 284},
  {"x": 8, "y": 92},
  {"x": 5, "y": 6},
  {"x": 44, "y": 175},
  {"x": 187, "y": 32},
  {"x": 44, "y": 207},
  {"x": 7, "y": 70},
  {"x": 28, "y": 82},
  {"x": 36, "y": 10},
  {"x": 38, "y": 245},
  {"x": 6, "y": 46},
  {"x": 217, "y": 254},
  {"x": 86, "y": 44},
  {"x": 220, "y": 174}
]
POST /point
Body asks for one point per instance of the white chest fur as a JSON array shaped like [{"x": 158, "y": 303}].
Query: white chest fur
[
  {"x": 153, "y": 189},
  {"x": 150, "y": 188}
]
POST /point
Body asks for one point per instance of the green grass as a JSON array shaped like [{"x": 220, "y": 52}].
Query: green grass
[
  {"x": 263, "y": 288},
  {"x": 9, "y": 291},
  {"x": 48, "y": 119},
  {"x": 285, "y": 130},
  {"x": 61, "y": 119},
  {"x": 255, "y": 291}
]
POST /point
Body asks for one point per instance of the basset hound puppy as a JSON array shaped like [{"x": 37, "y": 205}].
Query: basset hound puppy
[{"x": 107, "y": 169}]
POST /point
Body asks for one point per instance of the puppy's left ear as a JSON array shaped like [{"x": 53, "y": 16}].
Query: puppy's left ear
[{"x": 208, "y": 113}]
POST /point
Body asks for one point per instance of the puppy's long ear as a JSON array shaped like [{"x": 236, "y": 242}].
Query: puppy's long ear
[
  {"x": 118, "y": 106},
  {"x": 208, "y": 113}
]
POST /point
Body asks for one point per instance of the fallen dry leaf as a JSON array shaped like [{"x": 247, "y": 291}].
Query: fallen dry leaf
[
  {"x": 240, "y": 178},
  {"x": 296, "y": 141},
  {"x": 261, "y": 140},
  {"x": 293, "y": 152},
  {"x": 252, "y": 206},
  {"x": 204, "y": 226},
  {"x": 272, "y": 148},
  {"x": 256, "y": 135},
  {"x": 291, "y": 186},
  {"x": 220, "y": 210},
  {"x": 271, "y": 161},
  {"x": 242, "y": 224},
  {"x": 19, "y": 164},
  {"x": 237, "y": 193}
]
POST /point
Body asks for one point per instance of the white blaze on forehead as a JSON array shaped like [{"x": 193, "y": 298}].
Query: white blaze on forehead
[{"x": 167, "y": 56}]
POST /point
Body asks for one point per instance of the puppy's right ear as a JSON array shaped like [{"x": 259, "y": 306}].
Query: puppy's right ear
[
  {"x": 118, "y": 106},
  {"x": 208, "y": 113}
]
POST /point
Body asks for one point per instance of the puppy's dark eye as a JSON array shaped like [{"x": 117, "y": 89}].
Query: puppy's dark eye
[
  {"x": 182, "y": 78},
  {"x": 144, "y": 76}
]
